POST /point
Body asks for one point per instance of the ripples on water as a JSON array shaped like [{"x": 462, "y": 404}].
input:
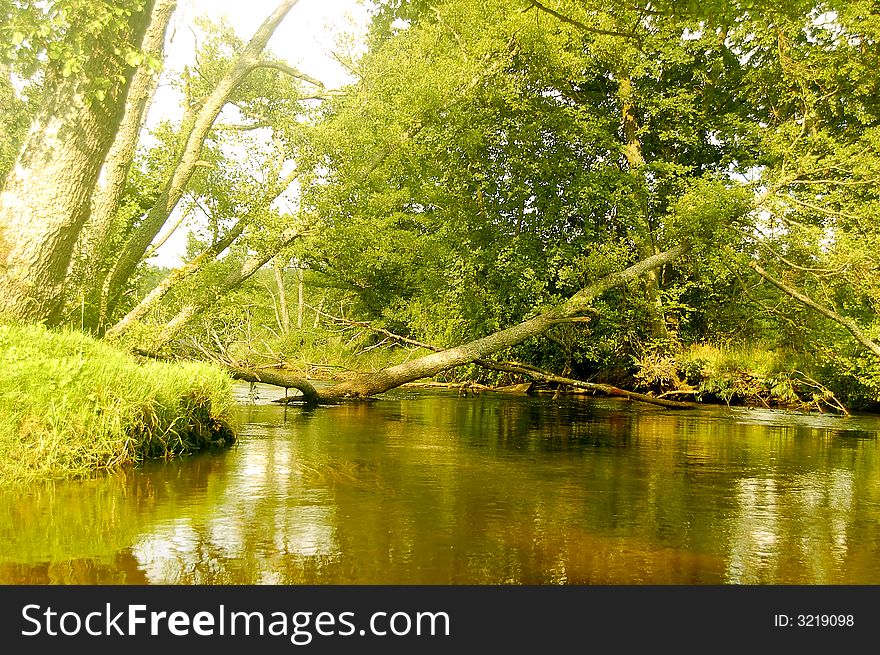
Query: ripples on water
[{"x": 429, "y": 488}]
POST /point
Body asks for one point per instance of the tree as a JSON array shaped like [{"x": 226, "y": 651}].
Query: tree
[
  {"x": 491, "y": 162},
  {"x": 234, "y": 195},
  {"x": 97, "y": 238},
  {"x": 46, "y": 196},
  {"x": 198, "y": 124},
  {"x": 810, "y": 254}
]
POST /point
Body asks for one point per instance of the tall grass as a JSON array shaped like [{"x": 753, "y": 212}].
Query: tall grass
[
  {"x": 70, "y": 405},
  {"x": 738, "y": 373}
]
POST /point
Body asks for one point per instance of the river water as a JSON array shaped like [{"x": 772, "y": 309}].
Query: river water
[{"x": 425, "y": 487}]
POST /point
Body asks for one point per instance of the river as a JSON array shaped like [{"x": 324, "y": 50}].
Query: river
[{"x": 425, "y": 487}]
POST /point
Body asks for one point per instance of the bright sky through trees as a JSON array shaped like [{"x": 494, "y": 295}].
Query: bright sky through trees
[{"x": 307, "y": 39}]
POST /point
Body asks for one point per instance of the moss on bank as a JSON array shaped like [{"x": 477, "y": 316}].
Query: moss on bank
[{"x": 71, "y": 405}]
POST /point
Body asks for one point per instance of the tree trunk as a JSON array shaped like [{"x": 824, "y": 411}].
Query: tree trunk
[
  {"x": 632, "y": 150},
  {"x": 279, "y": 379},
  {"x": 208, "y": 255},
  {"x": 174, "y": 278},
  {"x": 201, "y": 122},
  {"x": 368, "y": 384},
  {"x": 301, "y": 298},
  {"x": 317, "y": 320},
  {"x": 93, "y": 248},
  {"x": 284, "y": 309},
  {"x": 45, "y": 202},
  {"x": 544, "y": 376}
]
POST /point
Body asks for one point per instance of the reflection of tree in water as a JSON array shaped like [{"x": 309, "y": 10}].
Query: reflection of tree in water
[
  {"x": 264, "y": 514},
  {"x": 477, "y": 490},
  {"x": 120, "y": 569},
  {"x": 805, "y": 527},
  {"x": 81, "y": 531}
]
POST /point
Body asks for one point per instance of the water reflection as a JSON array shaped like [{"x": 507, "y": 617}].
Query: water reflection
[{"x": 435, "y": 489}]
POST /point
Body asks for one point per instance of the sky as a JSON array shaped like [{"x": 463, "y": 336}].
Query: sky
[{"x": 306, "y": 39}]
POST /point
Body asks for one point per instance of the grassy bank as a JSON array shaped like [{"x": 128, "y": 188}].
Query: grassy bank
[
  {"x": 70, "y": 405},
  {"x": 747, "y": 374}
]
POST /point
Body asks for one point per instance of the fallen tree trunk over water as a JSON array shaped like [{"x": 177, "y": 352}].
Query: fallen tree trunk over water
[
  {"x": 277, "y": 378},
  {"x": 534, "y": 373},
  {"x": 272, "y": 376},
  {"x": 545, "y": 376},
  {"x": 369, "y": 384}
]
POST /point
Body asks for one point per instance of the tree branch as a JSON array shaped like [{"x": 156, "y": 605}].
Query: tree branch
[
  {"x": 848, "y": 323},
  {"x": 544, "y": 376},
  {"x": 289, "y": 70},
  {"x": 576, "y": 23}
]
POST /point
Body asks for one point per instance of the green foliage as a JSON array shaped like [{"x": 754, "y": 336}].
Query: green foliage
[
  {"x": 742, "y": 375},
  {"x": 494, "y": 158},
  {"x": 475, "y": 174},
  {"x": 709, "y": 214},
  {"x": 71, "y": 405},
  {"x": 15, "y": 116},
  {"x": 62, "y": 35}
]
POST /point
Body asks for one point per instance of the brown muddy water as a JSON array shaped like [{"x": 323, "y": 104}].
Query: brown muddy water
[{"x": 422, "y": 487}]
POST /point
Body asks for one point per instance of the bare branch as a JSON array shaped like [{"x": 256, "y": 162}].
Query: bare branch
[
  {"x": 576, "y": 23},
  {"x": 544, "y": 376},
  {"x": 790, "y": 264},
  {"x": 822, "y": 210},
  {"x": 830, "y": 182},
  {"x": 289, "y": 70},
  {"x": 241, "y": 127}
]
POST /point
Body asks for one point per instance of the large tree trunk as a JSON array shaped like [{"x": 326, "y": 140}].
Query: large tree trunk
[
  {"x": 632, "y": 151},
  {"x": 46, "y": 198},
  {"x": 93, "y": 247},
  {"x": 201, "y": 122},
  {"x": 369, "y": 384}
]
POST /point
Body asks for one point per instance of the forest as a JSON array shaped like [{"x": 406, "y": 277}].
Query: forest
[{"x": 669, "y": 200}]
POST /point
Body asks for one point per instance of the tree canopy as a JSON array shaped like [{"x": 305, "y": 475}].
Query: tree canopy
[{"x": 488, "y": 163}]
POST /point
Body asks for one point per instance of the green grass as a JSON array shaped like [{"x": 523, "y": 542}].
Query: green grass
[
  {"x": 71, "y": 405},
  {"x": 750, "y": 374}
]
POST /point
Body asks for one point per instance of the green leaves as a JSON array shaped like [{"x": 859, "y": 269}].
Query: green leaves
[
  {"x": 711, "y": 212},
  {"x": 59, "y": 37}
]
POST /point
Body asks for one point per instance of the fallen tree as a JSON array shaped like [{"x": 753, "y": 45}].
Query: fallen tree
[
  {"x": 370, "y": 384},
  {"x": 607, "y": 389},
  {"x": 518, "y": 368},
  {"x": 278, "y": 378}
]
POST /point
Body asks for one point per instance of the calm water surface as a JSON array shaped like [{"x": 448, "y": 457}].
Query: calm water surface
[{"x": 426, "y": 487}]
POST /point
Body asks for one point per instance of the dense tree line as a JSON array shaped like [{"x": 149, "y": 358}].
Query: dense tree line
[{"x": 570, "y": 183}]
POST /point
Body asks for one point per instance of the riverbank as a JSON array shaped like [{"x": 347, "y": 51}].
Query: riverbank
[
  {"x": 744, "y": 375},
  {"x": 71, "y": 405},
  {"x": 756, "y": 376}
]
